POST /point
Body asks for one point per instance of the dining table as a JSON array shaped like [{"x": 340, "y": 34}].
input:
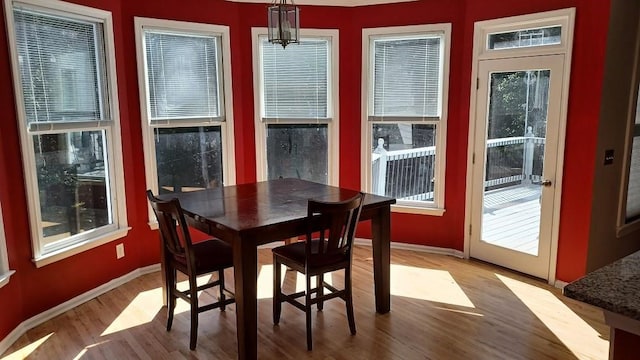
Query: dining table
[{"x": 253, "y": 214}]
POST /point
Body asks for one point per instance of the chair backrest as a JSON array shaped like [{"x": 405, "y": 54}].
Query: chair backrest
[
  {"x": 337, "y": 223},
  {"x": 173, "y": 226}
]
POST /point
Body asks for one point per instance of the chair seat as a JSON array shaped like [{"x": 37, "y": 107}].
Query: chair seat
[
  {"x": 295, "y": 254},
  {"x": 210, "y": 255}
]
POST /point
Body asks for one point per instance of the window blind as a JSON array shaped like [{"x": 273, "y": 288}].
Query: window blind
[
  {"x": 61, "y": 68},
  {"x": 296, "y": 79},
  {"x": 182, "y": 75},
  {"x": 406, "y": 77}
]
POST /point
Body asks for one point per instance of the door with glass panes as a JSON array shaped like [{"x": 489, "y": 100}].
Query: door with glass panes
[{"x": 518, "y": 111}]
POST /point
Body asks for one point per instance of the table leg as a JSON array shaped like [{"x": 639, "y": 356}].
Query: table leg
[
  {"x": 245, "y": 268},
  {"x": 381, "y": 231}
]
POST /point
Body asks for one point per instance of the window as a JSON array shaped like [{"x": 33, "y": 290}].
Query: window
[
  {"x": 534, "y": 34},
  {"x": 296, "y": 97},
  {"x": 5, "y": 273},
  {"x": 185, "y": 89},
  {"x": 64, "y": 76},
  {"x": 525, "y": 38},
  {"x": 406, "y": 80},
  {"x": 633, "y": 183}
]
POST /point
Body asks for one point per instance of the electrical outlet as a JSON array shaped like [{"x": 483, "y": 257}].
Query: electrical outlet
[{"x": 120, "y": 251}]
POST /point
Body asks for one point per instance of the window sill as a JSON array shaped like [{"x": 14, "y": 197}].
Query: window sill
[
  {"x": 627, "y": 229},
  {"x": 404, "y": 209},
  {"x": 4, "y": 278},
  {"x": 153, "y": 225},
  {"x": 75, "y": 249}
]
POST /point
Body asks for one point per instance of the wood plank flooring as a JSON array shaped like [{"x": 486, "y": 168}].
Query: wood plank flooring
[
  {"x": 511, "y": 218},
  {"x": 441, "y": 308}
]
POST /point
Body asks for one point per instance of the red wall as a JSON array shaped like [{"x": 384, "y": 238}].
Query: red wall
[{"x": 33, "y": 290}]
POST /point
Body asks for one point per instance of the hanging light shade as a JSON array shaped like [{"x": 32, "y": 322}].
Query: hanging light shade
[{"x": 284, "y": 23}]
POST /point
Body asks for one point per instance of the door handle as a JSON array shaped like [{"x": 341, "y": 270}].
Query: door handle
[{"x": 545, "y": 183}]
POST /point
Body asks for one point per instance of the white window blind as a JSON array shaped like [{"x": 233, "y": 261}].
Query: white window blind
[
  {"x": 407, "y": 77},
  {"x": 296, "y": 79},
  {"x": 182, "y": 75},
  {"x": 61, "y": 79}
]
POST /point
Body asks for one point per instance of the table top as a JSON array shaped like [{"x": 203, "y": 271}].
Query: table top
[
  {"x": 615, "y": 287},
  {"x": 256, "y": 206}
]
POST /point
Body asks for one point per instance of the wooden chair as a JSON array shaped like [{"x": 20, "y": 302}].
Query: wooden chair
[
  {"x": 180, "y": 254},
  {"x": 315, "y": 257}
]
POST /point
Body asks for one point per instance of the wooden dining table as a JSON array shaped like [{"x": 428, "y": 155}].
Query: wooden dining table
[{"x": 254, "y": 214}]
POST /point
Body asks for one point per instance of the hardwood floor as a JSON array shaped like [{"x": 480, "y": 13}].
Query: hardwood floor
[{"x": 441, "y": 308}]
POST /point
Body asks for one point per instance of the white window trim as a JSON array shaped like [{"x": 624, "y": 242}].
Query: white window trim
[
  {"x": 119, "y": 229},
  {"x": 333, "y": 124},
  {"x": 227, "y": 126},
  {"x": 5, "y": 273},
  {"x": 435, "y": 208},
  {"x": 563, "y": 18},
  {"x": 566, "y": 19}
]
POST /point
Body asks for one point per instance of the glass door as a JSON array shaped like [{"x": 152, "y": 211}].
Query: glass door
[{"x": 515, "y": 155}]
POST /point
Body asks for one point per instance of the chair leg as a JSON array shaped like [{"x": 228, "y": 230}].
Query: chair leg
[
  {"x": 193, "y": 299},
  {"x": 277, "y": 291},
  {"x": 349, "y": 300},
  {"x": 171, "y": 301},
  {"x": 307, "y": 306},
  {"x": 320, "y": 293},
  {"x": 221, "y": 287}
]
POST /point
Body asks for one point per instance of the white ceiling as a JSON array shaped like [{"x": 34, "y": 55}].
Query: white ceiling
[{"x": 346, "y": 3}]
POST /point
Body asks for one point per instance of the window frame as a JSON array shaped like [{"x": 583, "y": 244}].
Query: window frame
[
  {"x": 526, "y": 22},
  {"x": 332, "y": 120},
  {"x": 225, "y": 121},
  {"x": 5, "y": 272},
  {"x": 443, "y": 30},
  {"x": 624, "y": 226},
  {"x": 89, "y": 239}
]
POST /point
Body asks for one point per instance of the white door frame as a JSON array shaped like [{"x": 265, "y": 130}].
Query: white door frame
[{"x": 565, "y": 18}]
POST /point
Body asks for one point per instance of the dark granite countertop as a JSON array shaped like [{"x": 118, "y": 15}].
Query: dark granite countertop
[{"x": 615, "y": 287}]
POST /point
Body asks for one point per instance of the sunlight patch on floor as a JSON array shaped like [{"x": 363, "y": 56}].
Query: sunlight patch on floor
[
  {"x": 427, "y": 284},
  {"x": 27, "y": 350},
  {"x": 568, "y": 327},
  {"x": 265, "y": 282},
  {"x": 141, "y": 310},
  {"x": 301, "y": 282},
  {"x": 80, "y": 354},
  {"x": 459, "y": 311}
]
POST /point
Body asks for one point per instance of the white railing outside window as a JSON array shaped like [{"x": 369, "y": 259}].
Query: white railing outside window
[
  {"x": 394, "y": 172},
  {"x": 405, "y": 91}
]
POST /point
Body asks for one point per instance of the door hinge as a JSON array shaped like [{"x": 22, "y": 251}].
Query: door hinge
[
  {"x": 469, "y": 229},
  {"x": 477, "y": 83},
  {"x": 473, "y": 158}
]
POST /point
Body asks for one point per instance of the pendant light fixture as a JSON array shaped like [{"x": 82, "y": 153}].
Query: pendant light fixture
[{"x": 284, "y": 23}]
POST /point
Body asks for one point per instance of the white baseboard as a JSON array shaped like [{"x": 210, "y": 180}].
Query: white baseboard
[
  {"x": 70, "y": 304},
  {"x": 394, "y": 245},
  {"x": 560, "y": 284},
  {"x": 414, "y": 247}
]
